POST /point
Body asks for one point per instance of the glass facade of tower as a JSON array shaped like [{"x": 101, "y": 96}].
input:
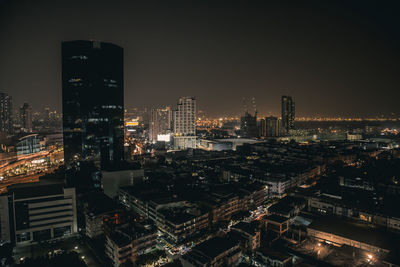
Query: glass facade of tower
[
  {"x": 93, "y": 101},
  {"x": 288, "y": 113}
]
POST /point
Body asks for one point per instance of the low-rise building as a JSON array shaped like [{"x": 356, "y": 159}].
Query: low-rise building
[
  {"x": 340, "y": 232},
  {"x": 179, "y": 224},
  {"x": 250, "y": 232},
  {"x": 126, "y": 241},
  {"x": 266, "y": 257},
  {"x": 326, "y": 204},
  {"x": 97, "y": 207},
  {"x": 287, "y": 207},
  {"x": 38, "y": 212},
  {"x": 276, "y": 223}
]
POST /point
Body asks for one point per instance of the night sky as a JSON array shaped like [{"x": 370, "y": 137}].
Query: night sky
[{"x": 332, "y": 57}]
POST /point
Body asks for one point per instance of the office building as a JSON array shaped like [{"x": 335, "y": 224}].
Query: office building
[
  {"x": 288, "y": 113},
  {"x": 28, "y": 144},
  {"x": 25, "y": 115},
  {"x": 248, "y": 126},
  {"x": 270, "y": 127},
  {"x": 184, "y": 121},
  {"x": 5, "y": 113},
  {"x": 93, "y": 102},
  {"x": 37, "y": 212},
  {"x": 160, "y": 124}
]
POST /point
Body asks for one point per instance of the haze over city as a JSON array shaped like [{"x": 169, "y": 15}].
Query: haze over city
[
  {"x": 199, "y": 133},
  {"x": 338, "y": 58}
]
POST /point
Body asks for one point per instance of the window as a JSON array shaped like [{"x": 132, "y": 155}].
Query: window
[
  {"x": 23, "y": 237},
  {"x": 62, "y": 231}
]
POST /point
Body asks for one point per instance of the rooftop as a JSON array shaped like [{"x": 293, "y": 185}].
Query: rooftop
[
  {"x": 43, "y": 188},
  {"x": 276, "y": 218},
  {"x": 356, "y": 231},
  {"x": 274, "y": 254},
  {"x": 249, "y": 228},
  {"x": 215, "y": 246}
]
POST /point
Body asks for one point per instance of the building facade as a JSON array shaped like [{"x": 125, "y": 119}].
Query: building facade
[
  {"x": 217, "y": 251},
  {"x": 6, "y": 113},
  {"x": 248, "y": 126},
  {"x": 184, "y": 122},
  {"x": 271, "y": 127},
  {"x": 125, "y": 242},
  {"x": 28, "y": 144},
  {"x": 160, "y": 124},
  {"x": 288, "y": 113},
  {"x": 93, "y": 101},
  {"x": 25, "y": 116},
  {"x": 38, "y": 212}
]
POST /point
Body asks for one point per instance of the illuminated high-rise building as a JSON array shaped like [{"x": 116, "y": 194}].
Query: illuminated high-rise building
[
  {"x": 5, "y": 113},
  {"x": 93, "y": 102},
  {"x": 288, "y": 113},
  {"x": 25, "y": 116},
  {"x": 160, "y": 124},
  {"x": 184, "y": 121}
]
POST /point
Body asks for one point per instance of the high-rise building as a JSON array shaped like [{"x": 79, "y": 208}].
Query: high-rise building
[
  {"x": 288, "y": 113},
  {"x": 270, "y": 127},
  {"x": 160, "y": 124},
  {"x": 93, "y": 101},
  {"x": 25, "y": 115},
  {"x": 184, "y": 121},
  {"x": 5, "y": 113},
  {"x": 248, "y": 126}
]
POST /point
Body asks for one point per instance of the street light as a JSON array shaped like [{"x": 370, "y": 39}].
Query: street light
[{"x": 76, "y": 247}]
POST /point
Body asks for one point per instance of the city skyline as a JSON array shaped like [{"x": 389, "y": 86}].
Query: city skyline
[
  {"x": 346, "y": 53},
  {"x": 199, "y": 133}
]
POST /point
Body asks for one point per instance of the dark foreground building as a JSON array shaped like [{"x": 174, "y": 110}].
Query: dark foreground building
[
  {"x": 36, "y": 212},
  {"x": 93, "y": 101}
]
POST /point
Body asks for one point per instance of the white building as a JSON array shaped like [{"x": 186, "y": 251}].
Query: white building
[
  {"x": 184, "y": 122},
  {"x": 37, "y": 212}
]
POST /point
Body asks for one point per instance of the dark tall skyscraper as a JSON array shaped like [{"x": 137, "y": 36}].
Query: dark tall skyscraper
[
  {"x": 248, "y": 125},
  {"x": 5, "y": 113},
  {"x": 270, "y": 126},
  {"x": 25, "y": 116},
  {"x": 93, "y": 101},
  {"x": 288, "y": 113}
]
